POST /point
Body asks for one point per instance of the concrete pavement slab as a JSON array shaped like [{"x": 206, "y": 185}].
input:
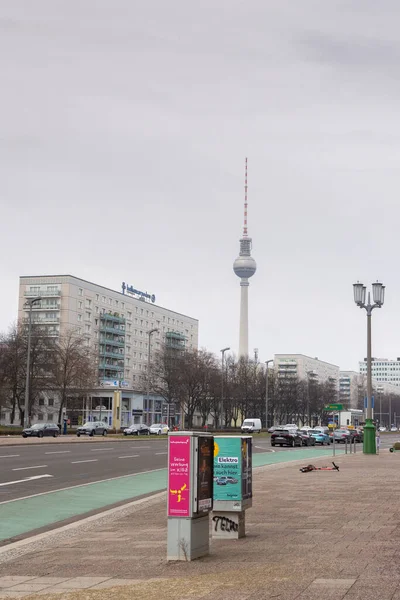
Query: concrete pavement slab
[{"x": 7, "y": 581}]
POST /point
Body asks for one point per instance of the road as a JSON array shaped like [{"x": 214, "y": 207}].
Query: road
[{"x": 27, "y": 470}]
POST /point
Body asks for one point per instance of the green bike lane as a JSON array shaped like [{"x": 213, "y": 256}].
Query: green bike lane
[{"x": 19, "y": 517}]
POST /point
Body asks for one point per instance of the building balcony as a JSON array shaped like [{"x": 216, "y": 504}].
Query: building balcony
[
  {"x": 43, "y": 320},
  {"x": 112, "y": 342},
  {"x": 114, "y": 330},
  {"x": 42, "y": 293},
  {"x": 110, "y": 354},
  {"x": 114, "y": 317},
  {"x": 107, "y": 367}
]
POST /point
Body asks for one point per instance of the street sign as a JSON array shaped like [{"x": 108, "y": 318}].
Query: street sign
[
  {"x": 332, "y": 407},
  {"x": 168, "y": 410}
]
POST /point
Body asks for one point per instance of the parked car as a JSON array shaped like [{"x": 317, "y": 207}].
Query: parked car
[
  {"x": 393, "y": 429},
  {"x": 290, "y": 426},
  {"x": 286, "y": 437},
  {"x": 159, "y": 429},
  {"x": 140, "y": 429},
  {"x": 41, "y": 429},
  {"x": 222, "y": 480},
  {"x": 251, "y": 426},
  {"x": 382, "y": 428},
  {"x": 272, "y": 429},
  {"x": 356, "y": 435},
  {"x": 320, "y": 437},
  {"x": 92, "y": 428},
  {"x": 308, "y": 439},
  {"x": 340, "y": 435},
  {"x": 322, "y": 429}
]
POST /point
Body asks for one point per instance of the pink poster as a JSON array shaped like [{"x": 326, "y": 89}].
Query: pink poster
[{"x": 179, "y": 476}]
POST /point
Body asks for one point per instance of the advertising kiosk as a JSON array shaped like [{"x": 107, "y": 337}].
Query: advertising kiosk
[
  {"x": 233, "y": 485},
  {"x": 190, "y": 494}
]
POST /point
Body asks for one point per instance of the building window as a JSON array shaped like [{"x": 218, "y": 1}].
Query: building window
[
  {"x": 79, "y": 317},
  {"x": 79, "y": 330},
  {"x": 41, "y": 401},
  {"x": 103, "y": 299},
  {"x": 88, "y": 303},
  {"x": 50, "y": 417},
  {"x": 40, "y": 417},
  {"x": 87, "y": 328},
  {"x": 51, "y": 401},
  {"x": 88, "y": 316},
  {"x": 80, "y": 292},
  {"x": 110, "y": 301},
  {"x": 96, "y": 309},
  {"x": 80, "y": 304},
  {"x": 129, "y": 315}
]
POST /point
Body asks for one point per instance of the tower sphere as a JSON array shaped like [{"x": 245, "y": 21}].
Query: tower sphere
[{"x": 244, "y": 266}]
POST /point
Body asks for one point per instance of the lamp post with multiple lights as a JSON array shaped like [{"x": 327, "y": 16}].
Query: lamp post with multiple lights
[{"x": 378, "y": 294}]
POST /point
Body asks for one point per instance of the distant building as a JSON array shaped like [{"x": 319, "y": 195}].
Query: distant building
[
  {"x": 304, "y": 367},
  {"x": 351, "y": 385},
  {"x": 383, "y": 370},
  {"x": 116, "y": 325}
]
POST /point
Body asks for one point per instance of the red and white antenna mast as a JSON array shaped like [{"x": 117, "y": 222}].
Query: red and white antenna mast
[{"x": 245, "y": 200}]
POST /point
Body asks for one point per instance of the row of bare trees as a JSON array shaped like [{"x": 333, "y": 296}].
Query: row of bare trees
[
  {"x": 62, "y": 366},
  {"x": 193, "y": 379}
]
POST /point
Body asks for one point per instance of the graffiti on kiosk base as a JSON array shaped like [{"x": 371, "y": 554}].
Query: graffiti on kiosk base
[{"x": 225, "y": 524}]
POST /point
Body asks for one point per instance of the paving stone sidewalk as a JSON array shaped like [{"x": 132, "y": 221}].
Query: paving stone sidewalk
[{"x": 320, "y": 535}]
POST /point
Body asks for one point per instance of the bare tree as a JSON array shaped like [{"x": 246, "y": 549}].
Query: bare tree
[{"x": 72, "y": 370}]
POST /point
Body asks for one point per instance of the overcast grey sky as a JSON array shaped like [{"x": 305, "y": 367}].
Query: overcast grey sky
[{"x": 124, "y": 127}]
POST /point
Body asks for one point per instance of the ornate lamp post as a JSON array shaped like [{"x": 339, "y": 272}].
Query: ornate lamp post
[{"x": 378, "y": 294}]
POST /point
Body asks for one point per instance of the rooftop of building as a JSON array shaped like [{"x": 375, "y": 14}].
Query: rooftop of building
[
  {"x": 106, "y": 289},
  {"x": 305, "y": 356}
]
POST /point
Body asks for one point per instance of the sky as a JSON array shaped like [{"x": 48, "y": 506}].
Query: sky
[{"x": 124, "y": 129}]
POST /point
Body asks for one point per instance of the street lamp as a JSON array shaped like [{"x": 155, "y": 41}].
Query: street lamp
[
  {"x": 222, "y": 386},
  {"x": 149, "y": 333},
  {"x": 378, "y": 294},
  {"x": 266, "y": 392},
  {"x": 29, "y": 303}
]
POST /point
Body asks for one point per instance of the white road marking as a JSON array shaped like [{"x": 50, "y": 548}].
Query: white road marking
[
  {"x": 23, "y": 480},
  {"x": 9, "y": 455},
  {"x": 161, "y": 453},
  {"x": 131, "y": 456},
  {"x": 78, "y": 462},
  {"x": 101, "y": 449},
  {"x": 140, "y": 447},
  {"x": 59, "y": 452},
  {"x": 35, "y": 467}
]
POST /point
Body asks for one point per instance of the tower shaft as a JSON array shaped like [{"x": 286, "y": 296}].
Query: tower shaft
[{"x": 244, "y": 319}]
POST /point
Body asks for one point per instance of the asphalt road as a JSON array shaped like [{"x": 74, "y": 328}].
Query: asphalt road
[{"x": 26, "y": 469}]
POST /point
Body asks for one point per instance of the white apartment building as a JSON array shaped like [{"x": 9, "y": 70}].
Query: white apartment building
[
  {"x": 117, "y": 325},
  {"x": 305, "y": 367},
  {"x": 383, "y": 370},
  {"x": 350, "y": 384}
]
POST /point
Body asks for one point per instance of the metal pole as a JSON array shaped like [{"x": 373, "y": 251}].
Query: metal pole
[
  {"x": 333, "y": 433},
  {"x": 222, "y": 389},
  {"x": 369, "y": 367},
  {"x": 380, "y": 408},
  {"x": 266, "y": 393},
  {"x": 28, "y": 362},
  {"x": 148, "y": 379},
  {"x": 390, "y": 412}
]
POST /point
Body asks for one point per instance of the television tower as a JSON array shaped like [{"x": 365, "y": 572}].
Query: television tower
[{"x": 244, "y": 267}]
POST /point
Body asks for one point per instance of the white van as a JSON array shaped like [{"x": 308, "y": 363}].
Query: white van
[{"x": 251, "y": 426}]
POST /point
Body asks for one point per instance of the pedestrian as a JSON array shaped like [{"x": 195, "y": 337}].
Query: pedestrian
[{"x": 378, "y": 441}]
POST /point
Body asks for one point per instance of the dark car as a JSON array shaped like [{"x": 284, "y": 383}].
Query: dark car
[
  {"x": 140, "y": 429},
  {"x": 308, "y": 439},
  {"x": 92, "y": 428},
  {"x": 356, "y": 435},
  {"x": 40, "y": 430},
  {"x": 286, "y": 437}
]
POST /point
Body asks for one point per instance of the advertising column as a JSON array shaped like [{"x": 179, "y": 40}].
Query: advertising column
[
  {"x": 190, "y": 494},
  {"x": 232, "y": 485}
]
